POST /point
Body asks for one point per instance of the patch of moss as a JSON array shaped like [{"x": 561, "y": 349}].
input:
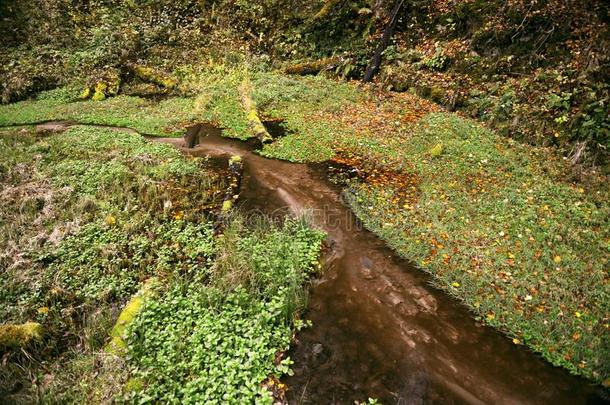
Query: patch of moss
[
  {"x": 100, "y": 92},
  {"x": 254, "y": 122},
  {"x": 151, "y": 75},
  {"x": 117, "y": 345},
  {"x": 85, "y": 94},
  {"x": 107, "y": 85},
  {"x": 437, "y": 150},
  {"x": 134, "y": 384},
  {"x": 226, "y": 206},
  {"x": 17, "y": 336}
]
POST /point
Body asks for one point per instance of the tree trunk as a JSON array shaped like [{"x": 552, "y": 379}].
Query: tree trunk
[{"x": 383, "y": 43}]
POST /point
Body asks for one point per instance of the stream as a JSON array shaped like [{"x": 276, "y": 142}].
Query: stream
[{"x": 379, "y": 329}]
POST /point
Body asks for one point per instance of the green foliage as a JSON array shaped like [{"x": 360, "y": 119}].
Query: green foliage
[
  {"x": 166, "y": 118},
  {"x": 194, "y": 346},
  {"x": 217, "y": 342},
  {"x": 526, "y": 250},
  {"x": 82, "y": 224},
  {"x": 296, "y": 100},
  {"x": 60, "y": 95},
  {"x": 132, "y": 211}
]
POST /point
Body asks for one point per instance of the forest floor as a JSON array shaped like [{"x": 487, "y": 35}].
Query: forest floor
[{"x": 499, "y": 225}]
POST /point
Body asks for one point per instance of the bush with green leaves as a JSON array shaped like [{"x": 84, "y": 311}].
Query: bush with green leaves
[{"x": 214, "y": 336}]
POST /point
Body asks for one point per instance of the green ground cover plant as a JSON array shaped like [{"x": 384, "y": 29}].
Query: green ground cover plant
[
  {"x": 498, "y": 228},
  {"x": 504, "y": 227},
  {"x": 164, "y": 118},
  {"x": 87, "y": 216},
  {"x": 215, "y": 336}
]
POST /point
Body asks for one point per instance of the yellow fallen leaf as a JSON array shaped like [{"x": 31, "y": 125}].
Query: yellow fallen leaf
[
  {"x": 43, "y": 310},
  {"x": 577, "y": 314},
  {"x": 557, "y": 259},
  {"x": 491, "y": 317},
  {"x": 110, "y": 220},
  {"x": 516, "y": 341},
  {"x": 437, "y": 150},
  {"x": 455, "y": 284}
]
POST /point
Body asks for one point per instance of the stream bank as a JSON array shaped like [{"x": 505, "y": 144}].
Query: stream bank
[{"x": 379, "y": 329}]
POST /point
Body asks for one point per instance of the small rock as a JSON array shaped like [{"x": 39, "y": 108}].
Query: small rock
[{"x": 317, "y": 349}]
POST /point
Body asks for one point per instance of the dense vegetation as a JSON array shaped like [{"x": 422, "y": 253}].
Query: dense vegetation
[
  {"x": 511, "y": 217},
  {"x": 98, "y": 212},
  {"x": 536, "y": 71}
]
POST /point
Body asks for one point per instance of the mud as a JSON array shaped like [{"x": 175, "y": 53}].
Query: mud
[{"x": 379, "y": 329}]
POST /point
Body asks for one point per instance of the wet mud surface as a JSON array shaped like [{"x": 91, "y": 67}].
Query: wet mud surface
[{"x": 379, "y": 329}]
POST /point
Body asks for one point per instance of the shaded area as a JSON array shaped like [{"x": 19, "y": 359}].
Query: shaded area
[{"x": 275, "y": 128}]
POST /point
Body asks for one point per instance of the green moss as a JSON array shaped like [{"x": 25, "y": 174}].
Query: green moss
[
  {"x": 254, "y": 122},
  {"x": 100, "y": 91},
  {"x": 117, "y": 344},
  {"x": 134, "y": 385},
  {"x": 227, "y": 206},
  {"x": 148, "y": 74},
  {"x": 85, "y": 94},
  {"x": 437, "y": 150},
  {"x": 18, "y": 336}
]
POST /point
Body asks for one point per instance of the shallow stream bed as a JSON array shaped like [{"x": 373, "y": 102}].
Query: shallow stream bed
[{"x": 379, "y": 329}]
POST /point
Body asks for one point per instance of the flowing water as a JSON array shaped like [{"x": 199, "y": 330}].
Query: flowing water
[{"x": 379, "y": 329}]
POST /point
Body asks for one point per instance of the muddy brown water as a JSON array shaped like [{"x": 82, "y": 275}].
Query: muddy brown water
[{"x": 379, "y": 329}]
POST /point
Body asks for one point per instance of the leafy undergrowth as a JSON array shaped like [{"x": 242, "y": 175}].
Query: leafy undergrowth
[
  {"x": 86, "y": 217},
  {"x": 216, "y": 337},
  {"x": 499, "y": 225}
]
